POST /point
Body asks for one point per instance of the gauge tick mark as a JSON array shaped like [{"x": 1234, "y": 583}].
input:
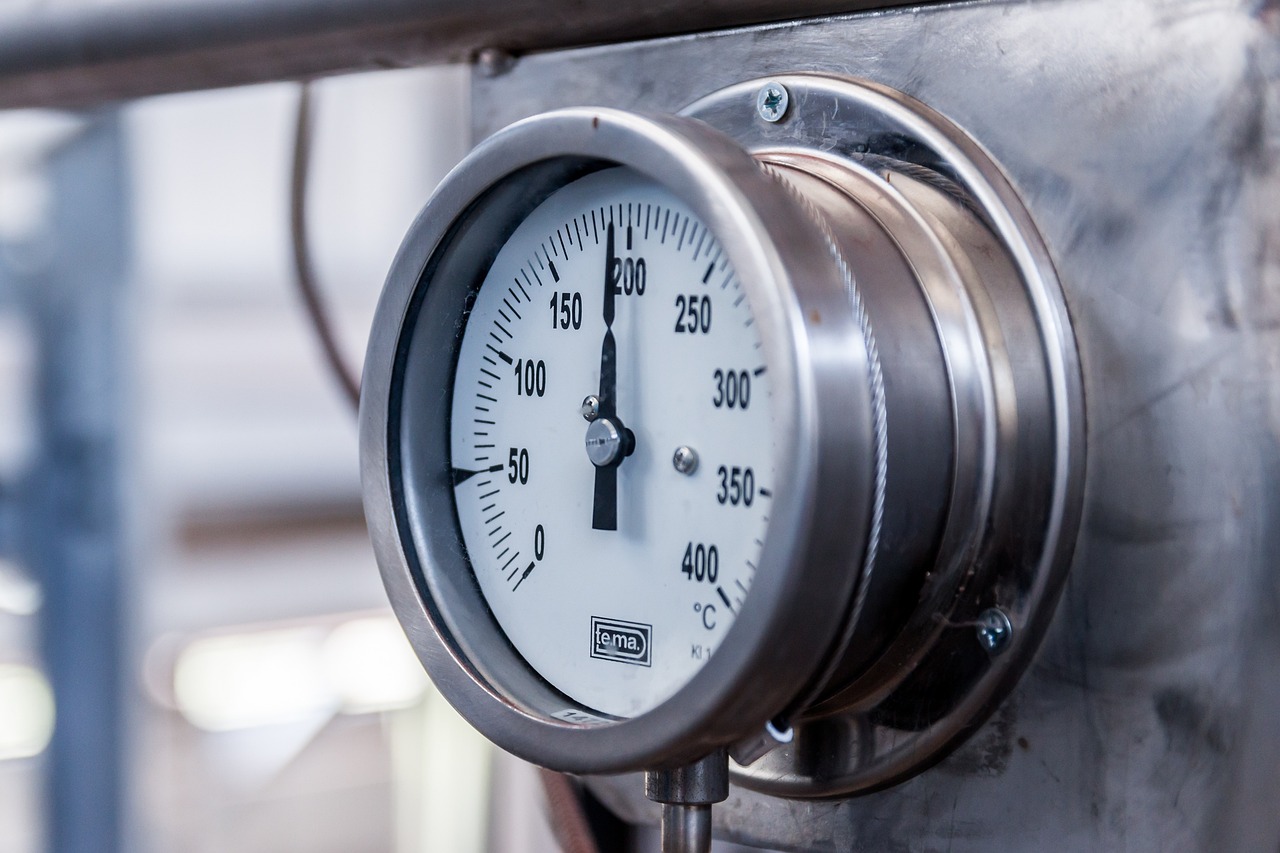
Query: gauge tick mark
[
  {"x": 527, "y": 571},
  {"x": 725, "y": 598}
]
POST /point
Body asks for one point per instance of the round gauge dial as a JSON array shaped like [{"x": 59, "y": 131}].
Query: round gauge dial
[
  {"x": 611, "y": 441},
  {"x": 685, "y": 435},
  {"x": 611, "y": 353}
]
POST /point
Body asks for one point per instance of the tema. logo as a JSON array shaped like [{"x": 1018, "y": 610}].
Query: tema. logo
[{"x": 625, "y": 642}]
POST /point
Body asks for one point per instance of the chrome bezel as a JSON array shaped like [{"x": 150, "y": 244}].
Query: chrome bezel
[{"x": 818, "y": 526}]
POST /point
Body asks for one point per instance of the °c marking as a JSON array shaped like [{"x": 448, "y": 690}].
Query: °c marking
[{"x": 708, "y": 612}]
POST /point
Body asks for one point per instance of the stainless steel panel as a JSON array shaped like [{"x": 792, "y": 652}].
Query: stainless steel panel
[{"x": 1144, "y": 140}]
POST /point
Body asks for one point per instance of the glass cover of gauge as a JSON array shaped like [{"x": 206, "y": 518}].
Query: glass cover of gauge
[{"x": 611, "y": 441}]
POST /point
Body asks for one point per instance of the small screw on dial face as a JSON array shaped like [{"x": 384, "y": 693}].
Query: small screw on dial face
[
  {"x": 590, "y": 407},
  {"x": 685, "y": 460}
]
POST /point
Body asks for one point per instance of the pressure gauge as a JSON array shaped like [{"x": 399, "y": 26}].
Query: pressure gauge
[{"x": 685, "y": 434}]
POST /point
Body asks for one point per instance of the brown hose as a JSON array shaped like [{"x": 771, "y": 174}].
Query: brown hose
[
  {"x": 304, "y": 271},
  {"x": 568, "y": 820}
]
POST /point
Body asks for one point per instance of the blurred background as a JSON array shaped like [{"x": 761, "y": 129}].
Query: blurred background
[{"x": 220, "y": 591}]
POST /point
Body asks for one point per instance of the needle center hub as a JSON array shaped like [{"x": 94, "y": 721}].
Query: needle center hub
[{"x": 608, "y": 442}]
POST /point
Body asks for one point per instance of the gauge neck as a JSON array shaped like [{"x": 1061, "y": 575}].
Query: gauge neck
[{"x": 935, "y": 396}]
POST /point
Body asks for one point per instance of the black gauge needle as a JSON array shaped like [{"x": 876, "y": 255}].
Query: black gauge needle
[
  {"x": 461, "y": 475},
  {"x": 604, "y": 512}
]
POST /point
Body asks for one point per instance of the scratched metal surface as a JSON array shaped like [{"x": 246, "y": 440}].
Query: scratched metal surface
[{"x": 1145, "y": 139}]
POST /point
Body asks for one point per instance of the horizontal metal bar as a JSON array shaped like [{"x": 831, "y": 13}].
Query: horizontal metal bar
[{"x": 60, "y": 57}]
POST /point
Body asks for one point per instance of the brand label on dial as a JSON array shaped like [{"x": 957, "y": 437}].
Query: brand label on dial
[{"x": 625, "y": 642}]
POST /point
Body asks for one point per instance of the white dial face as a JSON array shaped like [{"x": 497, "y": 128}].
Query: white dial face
[{"x": 612, "y": 442}]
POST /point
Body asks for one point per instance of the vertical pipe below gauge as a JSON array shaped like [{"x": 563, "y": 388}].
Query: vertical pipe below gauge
[{"x": 686, "y": 828}]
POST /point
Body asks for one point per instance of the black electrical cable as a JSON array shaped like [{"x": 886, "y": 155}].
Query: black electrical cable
[
  {"x": 569, "y": 820},
  {"x": 304, "y": 270}
]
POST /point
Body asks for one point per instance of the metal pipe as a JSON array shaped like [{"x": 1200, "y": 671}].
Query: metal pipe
[
  {"x": 63, "y": 57},
  {"x": 687, "y": 794},
  {"x": 74, "y": 536},
  {"x": 686, "y": 829}
]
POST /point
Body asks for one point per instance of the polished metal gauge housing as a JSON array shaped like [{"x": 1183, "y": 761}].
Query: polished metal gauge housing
[{"x": 716, "y": 431}]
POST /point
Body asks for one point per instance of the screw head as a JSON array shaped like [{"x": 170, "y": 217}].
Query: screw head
[
  {"x": 494, "y": 62},
  {"x": 685, "y": 460},
  {"x": 994, "y": 630},
  {"x": 772, "y": 101},
  {"x": 590, "y": 408}
]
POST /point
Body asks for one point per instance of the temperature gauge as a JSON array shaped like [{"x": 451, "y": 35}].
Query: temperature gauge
[
  {"x": 700, "y": 435},
  {"x": 612, "y": 441}
]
